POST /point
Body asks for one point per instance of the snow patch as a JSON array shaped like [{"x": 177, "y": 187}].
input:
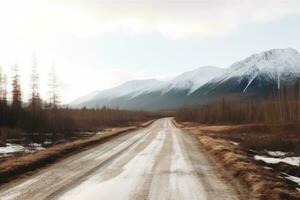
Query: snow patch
[
  {"x": 235, "y": 143},
  {"x": 269, "y": 168},
  {"x": 11, "y": 148},
  {"x": 289, "y": 160},
  {"x": 276, "y": 153},
  {"x": 292, "y": 178}
]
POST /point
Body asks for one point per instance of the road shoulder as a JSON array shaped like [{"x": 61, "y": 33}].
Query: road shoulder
[{"x": 239, "y": 169}]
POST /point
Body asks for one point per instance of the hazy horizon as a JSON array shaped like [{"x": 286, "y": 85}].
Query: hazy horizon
[{"x": 100, "y": 44}]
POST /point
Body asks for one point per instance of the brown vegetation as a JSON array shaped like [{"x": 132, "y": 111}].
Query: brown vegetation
[
  {"x": 257, "y": 126},
  {"x": 96, "y": 119},
  {"x": 261, "y": 182},
  {"x": 259, "y": 137}
]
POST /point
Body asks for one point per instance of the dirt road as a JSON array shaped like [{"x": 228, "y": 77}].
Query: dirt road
[{"x": 157, "y": 162}]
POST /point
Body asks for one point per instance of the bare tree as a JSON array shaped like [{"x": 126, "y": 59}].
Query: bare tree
[
  {"x": 1, "y": 84},
  {"x": 53, "y": 89},
  {"x": 35, "y": 102},
  {"x": 16, "y": 91},
  {"x": 3, "y": 105},
  {"x": 53, "y": 101},
  {"x": 3, "y": 88}
]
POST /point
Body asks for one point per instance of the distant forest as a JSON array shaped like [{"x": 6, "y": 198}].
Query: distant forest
[
  {"x": 282, "y": 108},
  {"x": 41, "y": 118}
]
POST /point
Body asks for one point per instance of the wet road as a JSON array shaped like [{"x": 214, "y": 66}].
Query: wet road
[{"x": 157, "y": 162}]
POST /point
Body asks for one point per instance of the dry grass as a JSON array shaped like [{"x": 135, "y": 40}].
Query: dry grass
[
  {"x": 97, "y": 119},
  {"x": 261, "y": 183},
  {"x": 259, "y": 137}
]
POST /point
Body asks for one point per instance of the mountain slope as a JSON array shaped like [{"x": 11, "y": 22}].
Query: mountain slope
[
  {"x": 151, "y": 93},
  {"x": 192, "y": 80},
  {"x": 257, "y": 75},
  {"x": 123, "y": 92}
]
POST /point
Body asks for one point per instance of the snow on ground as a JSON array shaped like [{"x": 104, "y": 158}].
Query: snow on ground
[
  {"x": 277, "y": 157},
  {"x": 292, "y": 178},
  {"x": 235, "y": 143},
  {"x": 48, "y": 142},
  {"x": 10, "y": 149},
  {"x": 269, "y": 168},
  {"x": 32, "y": 147},
  {"x": 289, "y": 160},
  {"x": 84, "y": 133},
  {"x": 277, "y": 153}
]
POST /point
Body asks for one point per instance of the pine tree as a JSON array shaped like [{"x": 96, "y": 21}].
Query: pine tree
[
  {"x": 3, "y": 105},
  {"x": 16, "y": 91}
]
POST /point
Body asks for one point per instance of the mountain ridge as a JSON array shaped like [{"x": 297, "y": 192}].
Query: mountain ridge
[
  {"x": 257, "y": 73},
  {"x": 254, "y": 76},
  {"x": 133, "y": 88}
]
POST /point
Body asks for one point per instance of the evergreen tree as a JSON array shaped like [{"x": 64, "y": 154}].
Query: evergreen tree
[
  {"x": 3, "y": 105},
  {"x": 16, "y": 105},
  {"x": 16, "y": 91}
]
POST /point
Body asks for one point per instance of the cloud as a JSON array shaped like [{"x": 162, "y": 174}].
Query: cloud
[{"x": 173, "y": 19}]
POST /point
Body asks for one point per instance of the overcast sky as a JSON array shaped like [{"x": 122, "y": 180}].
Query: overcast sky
[{"x": 97, "y": 44}]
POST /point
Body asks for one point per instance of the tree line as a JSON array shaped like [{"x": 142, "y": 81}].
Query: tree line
[
  {"x": 48, "y": 118},
  {"x": 282, "y": 108},
  {"x": 33, "y": 116}
]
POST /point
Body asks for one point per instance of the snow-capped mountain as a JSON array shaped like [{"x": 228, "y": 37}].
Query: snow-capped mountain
[
  {"x": 85, "y": 98},
  {"x": 192, "y": 80},
  {"x": 257, "y": 74},
  {"x": 132, "y": 88},
  {"x": 184, "y": 84}
]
